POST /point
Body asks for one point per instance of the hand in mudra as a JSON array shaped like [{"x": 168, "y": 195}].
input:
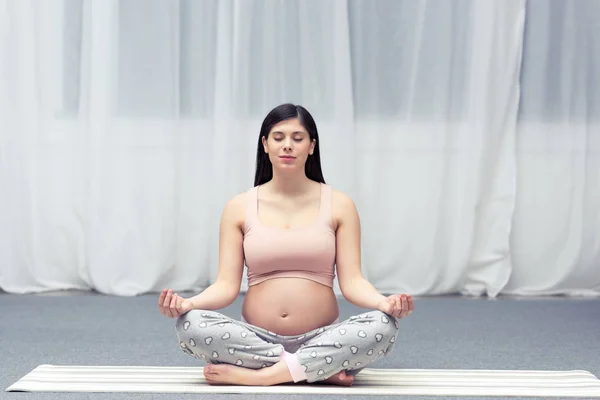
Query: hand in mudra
[
  {"x": 397, "y": 305},
  {"x": 173, "y": 305}
]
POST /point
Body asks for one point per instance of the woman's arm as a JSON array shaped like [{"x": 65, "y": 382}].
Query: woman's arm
[
  {"x": 231, "y": 259},
  {"x": 231, "y": 263},
  {"x": 355, "y": 288}
]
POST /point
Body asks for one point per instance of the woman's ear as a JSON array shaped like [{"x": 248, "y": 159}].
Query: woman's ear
[
  {"x": 312, "y": 147},
  {"x": 264, "y": 143}
]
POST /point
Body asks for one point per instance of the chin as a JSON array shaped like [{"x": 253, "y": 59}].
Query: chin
[{"x": 288, "y": 167}]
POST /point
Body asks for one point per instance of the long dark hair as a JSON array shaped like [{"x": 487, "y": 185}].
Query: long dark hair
[{"x": 264, "y": 168}]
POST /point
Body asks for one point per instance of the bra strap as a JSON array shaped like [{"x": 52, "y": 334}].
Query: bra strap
[
  {"x": 252, "y": 207},
  {"x": 325, "y": 207}
]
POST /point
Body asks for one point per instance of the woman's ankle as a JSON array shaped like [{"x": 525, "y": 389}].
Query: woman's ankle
[{"x": 274, "y": 375}]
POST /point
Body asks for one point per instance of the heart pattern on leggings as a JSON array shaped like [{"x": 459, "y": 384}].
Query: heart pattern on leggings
[{"x": 271, "y": 353}]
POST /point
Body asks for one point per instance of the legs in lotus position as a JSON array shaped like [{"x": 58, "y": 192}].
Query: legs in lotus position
[{"x": 245, "y": 354}]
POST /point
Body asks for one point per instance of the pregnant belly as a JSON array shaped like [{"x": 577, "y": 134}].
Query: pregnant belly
[{"x": 290, "y": 306}]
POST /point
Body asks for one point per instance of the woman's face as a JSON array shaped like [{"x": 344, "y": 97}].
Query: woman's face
[{"x": 288, "y": 145}]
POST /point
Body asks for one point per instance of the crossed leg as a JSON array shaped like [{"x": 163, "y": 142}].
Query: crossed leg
[{"x": 218, "y": 340}]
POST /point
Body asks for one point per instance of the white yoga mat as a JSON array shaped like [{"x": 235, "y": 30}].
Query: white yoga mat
[{"x": 433, "y": 382}]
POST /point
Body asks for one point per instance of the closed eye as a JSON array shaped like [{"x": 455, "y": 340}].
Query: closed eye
[{"x": 295, "y": 139}]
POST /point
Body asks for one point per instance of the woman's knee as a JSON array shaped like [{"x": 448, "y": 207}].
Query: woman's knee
[
  {"x": 386, "y": 325},
  {"x": 197, "y": 319},
  {"x": 188, "y": 319},
  {"x": 196, "y": 329}
]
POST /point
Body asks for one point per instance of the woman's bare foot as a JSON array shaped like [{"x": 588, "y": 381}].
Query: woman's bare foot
[
  {"x": 225, "y": 374},
  {"x": 341, "y": 379}
]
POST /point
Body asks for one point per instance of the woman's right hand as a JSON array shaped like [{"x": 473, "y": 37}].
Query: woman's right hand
[{"x": 173, "y": 305}]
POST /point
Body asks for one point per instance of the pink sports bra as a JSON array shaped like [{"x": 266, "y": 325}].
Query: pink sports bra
[{"x": 306, "y": 252}]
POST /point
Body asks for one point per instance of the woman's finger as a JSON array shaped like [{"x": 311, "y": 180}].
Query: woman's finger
[
  {"x": 397, "y": 307},
  {"x": 161, "y": 301},
  {"x": 167, "y": 304},
  {"x": 411, "y": 305},
  {"x": 404, "y": 306},
  {"x": 178, "y": 305},
  {"x": 161, "y": 298},
  {"x": 173, "y": 305}
]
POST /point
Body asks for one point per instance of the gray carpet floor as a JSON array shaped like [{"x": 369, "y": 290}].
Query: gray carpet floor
[{"x": 444, "y": 332}]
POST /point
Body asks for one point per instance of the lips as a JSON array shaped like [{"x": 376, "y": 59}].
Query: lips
[{"x": 287, "y": 157}]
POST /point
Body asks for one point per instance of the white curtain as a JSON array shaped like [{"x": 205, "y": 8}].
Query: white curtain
[
  {"x": 465, "y": 131},
  {"x": 556, "y": 230}
]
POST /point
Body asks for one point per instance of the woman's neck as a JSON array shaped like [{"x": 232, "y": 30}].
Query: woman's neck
[{"x": 291, "y": 185}]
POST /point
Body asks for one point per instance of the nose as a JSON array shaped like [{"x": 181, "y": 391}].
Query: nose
[{"x": 287, "y": 146}]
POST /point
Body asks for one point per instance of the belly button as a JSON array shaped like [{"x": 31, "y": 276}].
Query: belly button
[{"x": 283, "y": 315}]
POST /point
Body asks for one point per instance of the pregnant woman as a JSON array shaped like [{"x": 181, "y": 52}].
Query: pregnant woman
[{"x": 293, "y": 232}]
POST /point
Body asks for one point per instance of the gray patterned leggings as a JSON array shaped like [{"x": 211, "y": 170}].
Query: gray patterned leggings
[{"x": 349, "y": 345}]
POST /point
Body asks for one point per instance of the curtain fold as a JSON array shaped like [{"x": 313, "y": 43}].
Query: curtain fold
[
  {"x": 465, "y": 131},
  {"x": 556, "y": 236}
]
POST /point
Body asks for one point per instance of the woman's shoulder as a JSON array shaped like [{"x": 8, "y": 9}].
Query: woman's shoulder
[
  {"x": 240, "y": 199},
  {"x": 235, "y": 207},
  {"x": 340, "y": 199},
  {"x": 342, "y": 207}
]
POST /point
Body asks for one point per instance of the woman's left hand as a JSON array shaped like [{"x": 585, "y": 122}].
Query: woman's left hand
[{"x": 397, "y": 305}]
